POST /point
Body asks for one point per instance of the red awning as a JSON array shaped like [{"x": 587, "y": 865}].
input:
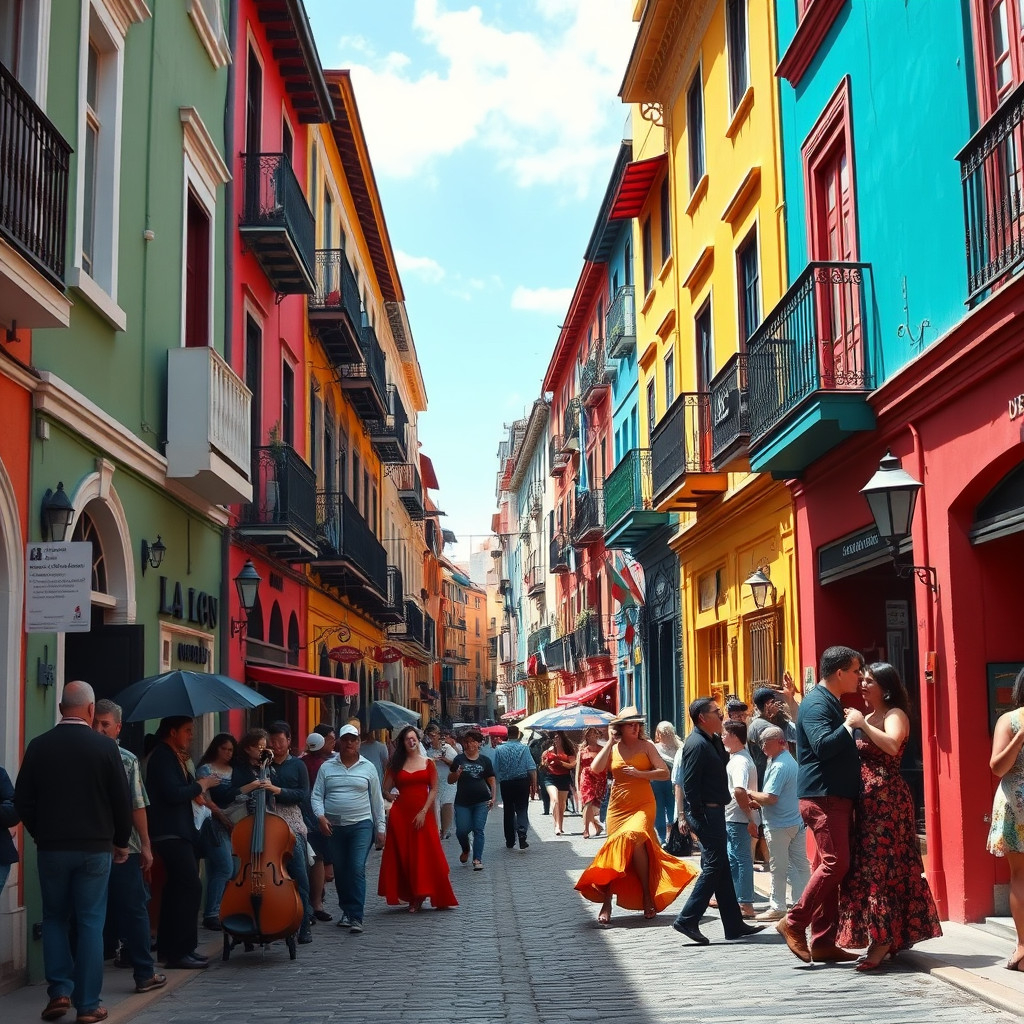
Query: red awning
[
  {"x": 301, "y": 682},
  {"x": 427, "y": 474},
  {"x": 587, "y": 693},
  {"x": 635, "y": 186},
  {"x": 510, "y": 715}
]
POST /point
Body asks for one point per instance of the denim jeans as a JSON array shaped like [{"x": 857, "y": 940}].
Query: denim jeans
[
  {"x": 350, "y": 848},
  {"x": 741, "y": 861},
  {"x": 715, "y": 878},
  {"x": 128, "y": 909},
  {"x": 788, "y": 850},
  {"x": 471, "y": 819},
  {"x": 220, "y": 867},
  {"x": 515, "y": 801},
  {"x": 298, "y": 868},
  {"x": 73, "y": 883},
  {"x": 665, "y": 807}
]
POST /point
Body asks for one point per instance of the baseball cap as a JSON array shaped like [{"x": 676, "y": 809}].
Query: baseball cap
[
  {"x": 314, "y": 741},
  {"x": 347, "y": 730}
]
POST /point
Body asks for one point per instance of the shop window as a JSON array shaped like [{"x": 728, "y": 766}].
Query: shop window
[{"x": 764, "y": 645}]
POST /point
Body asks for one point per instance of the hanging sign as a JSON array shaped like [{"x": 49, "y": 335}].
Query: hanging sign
[
  {"x": 346, "y": 654},
  {"x": 389, "y": 654}
]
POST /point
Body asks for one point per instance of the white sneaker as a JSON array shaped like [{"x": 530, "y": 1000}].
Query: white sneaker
[
  {"x": 770, "y": 915},
  {"x": 356, "y": 927}
]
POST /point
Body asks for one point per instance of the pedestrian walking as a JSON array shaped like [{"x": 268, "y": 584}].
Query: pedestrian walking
[
  {"x": 513, "y": 764},
  {"x": 475, "y": 794}
]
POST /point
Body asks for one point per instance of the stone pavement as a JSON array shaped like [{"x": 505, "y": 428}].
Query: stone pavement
[{"x": 523, "y": 948}]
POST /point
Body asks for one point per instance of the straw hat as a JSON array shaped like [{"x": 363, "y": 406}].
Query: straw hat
[{"x": 627, "y": 714}]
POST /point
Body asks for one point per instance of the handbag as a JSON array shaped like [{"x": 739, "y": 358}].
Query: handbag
[{"x": 679, "y": 842}]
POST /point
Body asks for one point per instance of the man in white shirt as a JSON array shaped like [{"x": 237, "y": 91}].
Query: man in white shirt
[
  {"x": 741, "y": 817},
  {"x": 349, "y": 808}
]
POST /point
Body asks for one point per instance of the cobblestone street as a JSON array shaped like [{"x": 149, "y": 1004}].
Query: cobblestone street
[{"x": 523, "y": 947}]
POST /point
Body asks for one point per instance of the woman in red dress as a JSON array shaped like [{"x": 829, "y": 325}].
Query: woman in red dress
[
  {"x": 413, "y": 867},
  {"x": 590, "y": 785}
]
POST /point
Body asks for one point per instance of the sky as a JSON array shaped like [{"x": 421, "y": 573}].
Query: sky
[{"x": 492, "y": 128}]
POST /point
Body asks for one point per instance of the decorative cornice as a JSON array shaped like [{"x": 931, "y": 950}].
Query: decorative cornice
[
  {"x": 701, "y": 266},
  {"x": 199, "y": 143},
  {"x": 810, "y": 34},
  {"x": 126, "y": 13},
  {"x": 741, "y": 197}
]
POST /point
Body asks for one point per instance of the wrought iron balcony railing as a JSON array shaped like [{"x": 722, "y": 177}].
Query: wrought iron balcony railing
[
  {"x": 335, "y": 309},
  {"x": 410, "y": 492},
  {"x": 589, "y": 638},
  {"x": 344, "y": 533},
  {"x": 992, "y": 179},
  {"x": 814, "y": 340},
  {"x": 429, "y": 633},
  {"x": 597, "y": 375},
  {"x": 571, "y": 427},
  {"x": 559, "y": 555},
  {"x": 34, "y": 161},
  {"x": 538, "y": 639},
  {"x": 621, "y": 324},
  {"x": 365, "y": 382},
  {"x": 730, "y": 423},
  {"x": 388, "y": 434},
  {"x": 535, "y": 498},
  {"x": 629, "y": 486},
  {"x": 558, "y": 457},
  {"x": 535, "y": 577},
  {"x": 588, "y": 522},
  {"x": 283, "y": 498},
  {"x": 681, "y": 442}
]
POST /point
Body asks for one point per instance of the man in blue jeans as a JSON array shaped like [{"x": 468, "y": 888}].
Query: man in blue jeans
[
  {"x": 349, "y": 808},
  {"x": 72, "y": 796},
  {"x": 706, "y": 792},
  {"x": 741, "y": 817}
]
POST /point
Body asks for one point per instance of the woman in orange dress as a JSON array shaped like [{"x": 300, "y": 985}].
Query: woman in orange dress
[
  {"x": 631, "y": 866},
  {"x": 413, "y": 867}
]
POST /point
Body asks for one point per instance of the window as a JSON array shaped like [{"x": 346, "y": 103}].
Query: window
[
  {"x": 287, "y": 404},
  {"x": 356, "y": 473},
  {"x": 648, "y": 255},
  {"x": 287, "y": 141},
  {"x": 705, "y": 348},
  {"x": 651, "y": 417},
  {"x": 765, "y": 644},
  {"x": 670, "y": 378},
  {"x": 253, "y": 104},
  {"x": 695, "y": 129},
  {"x": 314, "y": 432},
  {"x": 666, "y": 222},
  {"x": 627, "y": 263},
  {"x": 92, "y": 145},
  {"x": 748, "y": 274},
  {"x": 736, "y": 33},
  {"x": 197, "y": 273}
]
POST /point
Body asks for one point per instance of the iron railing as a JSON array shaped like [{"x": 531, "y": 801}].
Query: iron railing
[
  {"x": 372, "y": 366},
  {"x": 815, "y": 339},
  {"x": 629, "y": 487},
  {"x": 559, "y": 555},
  {"x": 336, "y": 287},
  {"x": 283, "y": 490},
  {"x": 274, "y": 199},
  {"x": 535, "y": 576},
  {"x": 621, "y": 323},
  {"x": 34, "y": 161},
  {"x": 344, "y": 533},
  {"x": 395, "y": 591},
  {"x": 538, "y": 639},
  {"x": 992, "y": 179},
  {"x": 560, "y": 653},
  {"x": 597, "y": 373},
  {"x": 557, "y": 457},
  {"x": 681, "y": 442},
  {"x": 535, "y": 498},
  {"x": 492, "y": 647},
  {"x": 414, "y": 623},
  {"x": 389, "y": 433},
  {"x": 588, "y": 638},
  {"x": 429, "y": 633},
  {"x": 730, "y": 422},
  {"x": 588, "y": 522},
  {"x": 571, "y": 427}
]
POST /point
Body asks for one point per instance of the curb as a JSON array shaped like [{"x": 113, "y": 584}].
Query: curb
[{"x": 1000, "y": 996}]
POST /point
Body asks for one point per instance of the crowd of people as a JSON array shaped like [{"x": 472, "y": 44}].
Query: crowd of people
[{"x": 121, "y": 840}]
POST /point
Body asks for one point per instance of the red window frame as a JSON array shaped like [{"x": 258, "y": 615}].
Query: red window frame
[{"x": 990, "y": 92}]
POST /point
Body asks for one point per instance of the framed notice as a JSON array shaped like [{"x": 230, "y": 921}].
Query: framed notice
[
  {"x": 1001, "y": 675},
  {"x": 58, "y": 587}
]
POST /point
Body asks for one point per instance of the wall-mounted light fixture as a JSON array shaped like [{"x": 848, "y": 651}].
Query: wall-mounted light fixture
[
  {"x": 891, "y": 495},
  {"x": 247, "y": 583},
  {"x": 760, "y": 584},
  {"x": 56, "y": 514},
  {"x": 153, "y": 554}
]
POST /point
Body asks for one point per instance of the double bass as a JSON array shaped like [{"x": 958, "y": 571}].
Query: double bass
[{"x": 261, "y": 904}]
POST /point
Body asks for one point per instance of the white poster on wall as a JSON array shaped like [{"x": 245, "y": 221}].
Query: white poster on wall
[{"x": 58, "y": 587}]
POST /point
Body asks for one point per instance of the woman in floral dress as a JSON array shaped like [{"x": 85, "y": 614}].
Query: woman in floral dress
[
  {"x": 590, "y": 784},
  {"x": 1006, "y": 836},
  {"x": 885, "y": 903}
]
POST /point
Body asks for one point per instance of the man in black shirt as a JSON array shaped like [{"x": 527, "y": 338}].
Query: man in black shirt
[
  {"x": 72, "y": 796},
  {"x": 706, "y": 792}
]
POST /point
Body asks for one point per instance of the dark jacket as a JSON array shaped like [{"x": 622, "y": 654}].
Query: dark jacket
[
  {"x": 704, "y": 777},
  {"x": 171, "y": 792},
  {"x": 8, "y": 819},
  {"x": 826, "y": 753},
  {"x": 72, "y": 792}
]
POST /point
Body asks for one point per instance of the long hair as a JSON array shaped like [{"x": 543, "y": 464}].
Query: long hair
[
  {"x": 250, "y": 739},
  {"x": 667, "y": 732},
  {"x": 894, "y": 693},
  {"x": 210, "y": 754},
  {"x": 568, "y": 747},
  {"x": 398, "y": 758}
]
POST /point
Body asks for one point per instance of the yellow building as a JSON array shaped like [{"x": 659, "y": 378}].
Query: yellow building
[{"x": 709, "y": 259}]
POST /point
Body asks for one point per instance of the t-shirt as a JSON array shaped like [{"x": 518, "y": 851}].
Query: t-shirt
[
  {"x": 473, "y": 787},
  {"x": 742, "y": 775},
  {"x": 780, "y": 781},
  {"x": 754, "y": 731},
  {"x": 553, "y": 762}
]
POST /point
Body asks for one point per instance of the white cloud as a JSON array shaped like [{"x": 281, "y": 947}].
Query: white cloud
[
  {"x": 539, "y": 100},
  {"x": 541, "y": 300},
  {"x": 421, "y": 266}
]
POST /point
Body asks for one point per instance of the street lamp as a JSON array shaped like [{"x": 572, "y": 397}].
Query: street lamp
[
  {"x": 891, "y": 495},
  {"x": 760, "y": 583},
  {"x": 247, "y": 583},
  {"x": 56, "y": 514},
  {"x": 153, "y": 554}
]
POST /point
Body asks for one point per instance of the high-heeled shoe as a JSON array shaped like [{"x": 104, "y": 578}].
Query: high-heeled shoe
[{"x": 867, "y": 965}]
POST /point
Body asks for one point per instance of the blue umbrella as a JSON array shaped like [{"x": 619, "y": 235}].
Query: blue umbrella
[
  {"x": 566, "y": 719},
  {"x": 385, "y": 714},
  {"x": 185, "y": 693}
]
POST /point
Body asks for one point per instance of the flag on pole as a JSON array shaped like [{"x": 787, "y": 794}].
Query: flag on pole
[
  {"x": 620, "y": 589},
  {"x": 630, "y": 576}
]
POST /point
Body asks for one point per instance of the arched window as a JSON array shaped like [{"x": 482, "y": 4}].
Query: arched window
[
  {"x": 255, "y": 630},
  {"x": 293, "y": 639},
  {"x": 325, "y": 662},
  {"x": 85, "y": 530},
  {"x": 275, "y": 635}
]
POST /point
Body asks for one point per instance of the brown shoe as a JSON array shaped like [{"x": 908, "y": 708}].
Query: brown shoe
[
  {"x": 56, "y": 1008},
  {"x": 832, "y": 955},
  {"x": 796, "y": 940}
]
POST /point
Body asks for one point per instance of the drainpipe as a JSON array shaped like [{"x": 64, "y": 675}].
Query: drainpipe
[
  {"x": 229, "y": 321},
  {"x": 933, "y": 825}
]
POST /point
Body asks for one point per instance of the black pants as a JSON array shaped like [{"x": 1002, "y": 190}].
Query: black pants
[
  {"x": 715, "y": 878},
  {"x": 177, "y": 932},
  {"x": 515, "y": 800}
]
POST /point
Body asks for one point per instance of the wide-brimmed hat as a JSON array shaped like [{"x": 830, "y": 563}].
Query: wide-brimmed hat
[{"x": 629, "y": 713}]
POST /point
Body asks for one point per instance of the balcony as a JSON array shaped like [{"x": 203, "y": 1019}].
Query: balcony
[
  {"x": 588, "y": 639},
  {"x": 525, "y": 525},
  {"x": 682, "y": 475},
  {"x": 538, "y": 640},
  {"x": 535, "y": 579},
  {"x": 730, "y": 425},
  {"x": 559, "y": 555},
  {"x": 335, "y": 309},
  {"x": 809, "y": 369},
  {"x": 588, "y": 522},
  {"x": 492, "y": 647},
  {"x": 281, "y": 518},
  {"x": 410, "y": 492},
  {"x": 629, "y": 513},
  {"x": 571, "y": 428},
  {"x": 351, "y": 558},
  {"x": 208, "y": 424},
  {"x": 558, "y": 457},
  {"x": 365, "y": 382},
  {"x": 276, "y": 225},
  {"x": 34, "y": 159},
  {"x": 620, "y": 324},
  {"x": 393, "y": 609},
  {"x": 535, "y": 498},
  {"x": 412, "y": 627},
  {"x": 388, "y": 435},
  {"x": 560, "y": 654},
  {"x": 596, "y": 377},
  {"x": 429, "y": 634}
]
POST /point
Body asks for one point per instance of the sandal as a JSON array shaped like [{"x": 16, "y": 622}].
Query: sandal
[
  {"x": 93, "y": 1016},
  {"x": 1014, "y": 963},
  {"x": 56, "y": 1008}
]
